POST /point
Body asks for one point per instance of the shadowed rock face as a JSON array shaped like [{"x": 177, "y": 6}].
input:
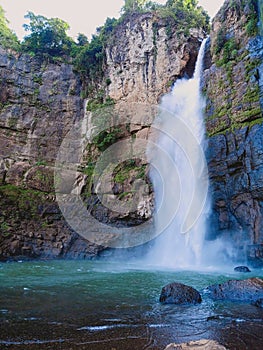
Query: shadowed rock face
[
  {"x": 233, "y": 87},
  {"x": 249, "y": 290},
  {"x": 178, "y": 293}
]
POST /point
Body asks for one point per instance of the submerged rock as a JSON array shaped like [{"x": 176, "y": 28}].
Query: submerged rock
[
  {"x": 249, "y": 290},
  {"x": 202, "y": 344},
  {"x": 178, "y": 293},
  {"x": 242, "y": 269}
]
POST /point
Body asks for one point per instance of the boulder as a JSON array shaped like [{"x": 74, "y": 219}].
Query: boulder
[
  {"x": 249, "y": 290},
  {"x": 242, "y": 269},
  {"x": 258, "y": 303},
  {"x": 178, "y": 293},
  {"x": 202, "y": 344}
]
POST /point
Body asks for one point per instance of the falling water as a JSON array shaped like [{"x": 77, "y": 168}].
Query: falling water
[{"x": 179, "y": 175}]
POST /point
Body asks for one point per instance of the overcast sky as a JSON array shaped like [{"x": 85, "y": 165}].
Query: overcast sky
[{"x": 83, "y": 16}]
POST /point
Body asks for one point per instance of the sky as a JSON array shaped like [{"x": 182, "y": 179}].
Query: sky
[{"x": 83, "y": 16}]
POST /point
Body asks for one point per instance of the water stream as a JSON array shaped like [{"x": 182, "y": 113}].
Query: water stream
[{"x": 183, "y": 172}]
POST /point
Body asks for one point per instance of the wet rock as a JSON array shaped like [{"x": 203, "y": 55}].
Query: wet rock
[
  {"x": 178, "y": 293},
  {"x": 255, "y": 255},
  {"x": 203, "y": 344},
  {"x": 242, "y": 269},
  {"x": 234, "y": 125},
  {"x": 258, "y": 303},
  {"x": 249, "y": 290}
]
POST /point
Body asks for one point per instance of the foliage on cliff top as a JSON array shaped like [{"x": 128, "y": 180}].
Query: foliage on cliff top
[
  {"x": 239, "y": 6},
  {"x": 8, "y": 39},
  {"x": 250, "y": 8},
  {"x": 226, "y": 44},
  {"x": 185, "y": 15},
  {"x": 180, "y": 14},
  {"x": 46, "y": 36}
]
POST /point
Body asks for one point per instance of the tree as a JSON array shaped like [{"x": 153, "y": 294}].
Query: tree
[
  {"x": 47, "y": 36},
  {"x": 82, "y": 39},
  {"x": 190, "y": 4},
  {"x": 133, "y": 5},
  {"x": 7, "y": 38}
]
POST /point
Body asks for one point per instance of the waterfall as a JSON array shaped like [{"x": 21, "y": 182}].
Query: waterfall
[{"x": 179, "y": 175}]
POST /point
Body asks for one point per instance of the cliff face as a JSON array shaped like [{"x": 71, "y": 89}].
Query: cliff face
[
  {"x": 38, "y": 105},
  {"x": 40, "y": 102},
  {"x": 147, "y": 56},
  {"x": 234, "y": 90}
]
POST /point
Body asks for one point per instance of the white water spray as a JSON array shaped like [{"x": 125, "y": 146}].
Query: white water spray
[{"x": 182, "y": 172}]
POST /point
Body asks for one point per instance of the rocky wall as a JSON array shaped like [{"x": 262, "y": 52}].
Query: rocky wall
[{"x": 233, "y": 88}]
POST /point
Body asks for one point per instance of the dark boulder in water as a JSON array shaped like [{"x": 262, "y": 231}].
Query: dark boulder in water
[
  {"x": 178, "y": 293},
  {"x": 242, "y": 269},
  {"x": 259, "y": 303},
  {"x": 249, "y": 290}
]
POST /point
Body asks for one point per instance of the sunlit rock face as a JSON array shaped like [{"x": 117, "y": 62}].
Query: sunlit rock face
[
  {"x": 233, "y": 87},
  {"x": 144, "y": 58},
  {"x": 40, "y": 102}
]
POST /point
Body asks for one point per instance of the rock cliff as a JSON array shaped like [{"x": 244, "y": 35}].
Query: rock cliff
[
  {"x": 41, "y": 101},
  {"x": 146, "y": 58},
  {"x": 234, "y": 91},
  {"x": 39, "y": 104}
]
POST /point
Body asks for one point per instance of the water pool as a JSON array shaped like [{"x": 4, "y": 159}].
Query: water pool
[{"x": 109, "y": 305}]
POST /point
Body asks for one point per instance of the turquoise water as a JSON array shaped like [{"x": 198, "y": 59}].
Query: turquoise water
[{"x": 104, "y": 305}]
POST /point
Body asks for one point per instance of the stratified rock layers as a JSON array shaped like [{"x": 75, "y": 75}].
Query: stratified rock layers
[
  {"x": 41, "y": 101},
  {"x": 233, "y": 87}
]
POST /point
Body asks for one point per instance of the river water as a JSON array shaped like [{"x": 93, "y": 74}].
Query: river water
[{"x": 109, "y": 305}]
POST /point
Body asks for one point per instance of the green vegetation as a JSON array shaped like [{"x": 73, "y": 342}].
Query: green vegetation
[
  {"x": 226, "y": 47},
  {"x": 252, "y": 18},
  {"x": 41, "y": 162},
  {"x": 134, "y": 5},
  {"x": 24, "y": 200},
  {"x": 4, "y": 229},
  {"x": 227, "y": 52},
  {"x": 37, "y": 79},
  {"x": 106, "y": 138},
  {"x": 98, "y": 102},
  {"x": 127, "y": 169},
  {"x": 251, "y": 27},
  {"x": 89, "y": 58},
  {"x": 252, "y": 94},
  {"x": 183, "y": 15},
  {"x": 8, "y": 39},
  {"x": 47, "y": 36},
  {"x": 20, "y": 204},
  {"x": 220, "y": 40}
]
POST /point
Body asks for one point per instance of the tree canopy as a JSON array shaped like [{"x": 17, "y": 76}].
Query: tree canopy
[
  {"x": 47, "y": 35},
  {"x": 7, "y": 38},
  {"x": 133, "y": 5},
  {"x": 89, "y": 59}
]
